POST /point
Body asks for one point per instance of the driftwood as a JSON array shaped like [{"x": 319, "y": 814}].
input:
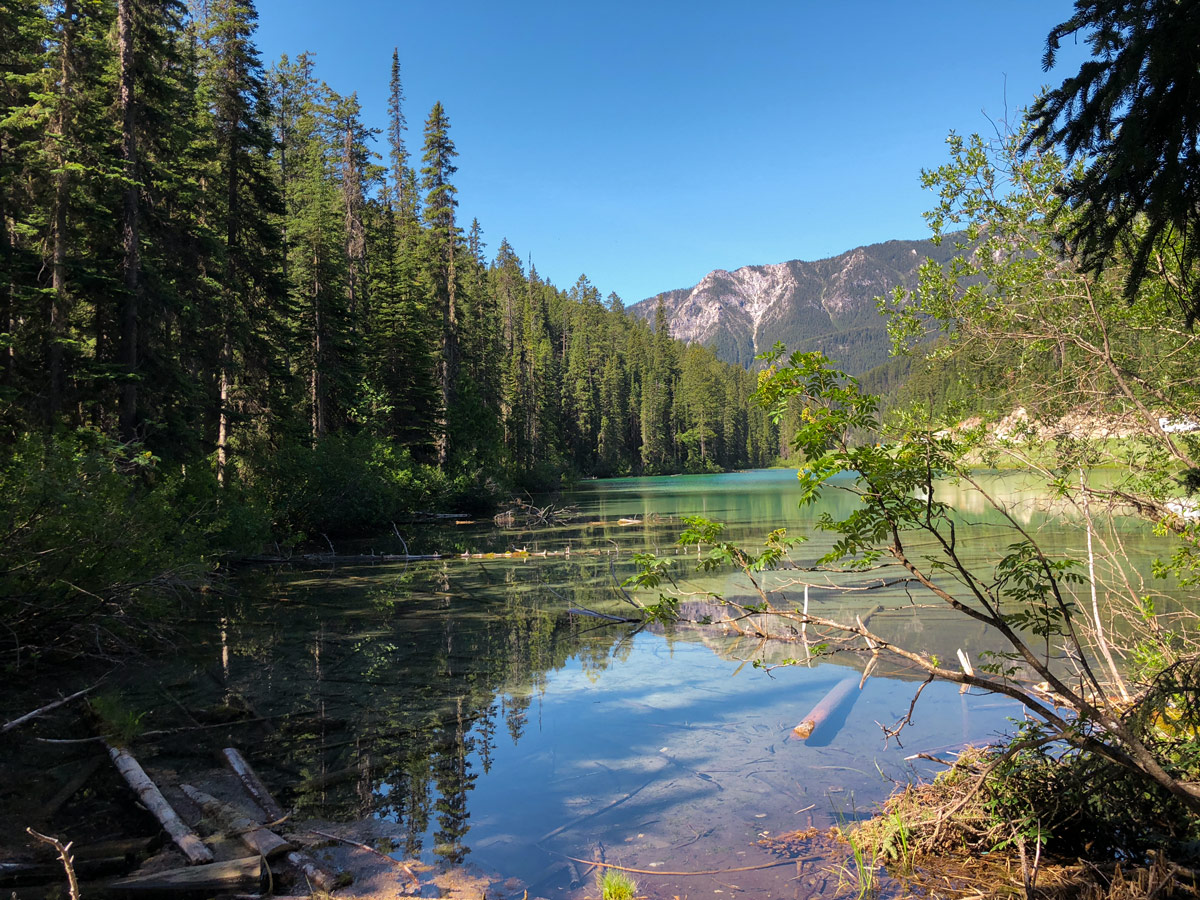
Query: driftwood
[
  {"x": 90, "y": 860},
  {"x": 249, "y": 832},
  {"x": 252, "y": 783},
  {"x": 825, "y": 708},
  {"x": 317, "y": 876},
  {"x": 23, "y": 874},
  {"x": 193, "y": 848},
  {"x": 235, "y": 875},
  {"x": 64, "y": 855},
  {"x": 20, "y": 720},
  {"x": 416, "y": 882},
  {"x": 337, "y": 558},
  {"x": 311, "y": 869}
]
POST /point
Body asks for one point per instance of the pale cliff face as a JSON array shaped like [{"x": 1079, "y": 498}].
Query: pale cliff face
[{"x": 827, "y": 305}]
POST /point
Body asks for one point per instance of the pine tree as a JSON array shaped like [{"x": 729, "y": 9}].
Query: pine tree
[
  {"x": 441, "y": 242},
  {"x": 245, "y": 206}
]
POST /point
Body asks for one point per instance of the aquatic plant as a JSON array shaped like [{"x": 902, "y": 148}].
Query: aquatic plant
[{"x": 616, "y": 885}]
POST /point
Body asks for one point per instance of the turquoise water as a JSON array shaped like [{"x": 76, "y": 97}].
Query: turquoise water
[{"x": 459, "y": 703}]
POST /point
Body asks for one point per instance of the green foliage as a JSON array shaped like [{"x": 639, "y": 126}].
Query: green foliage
[
  {"x": 616, "y": 885},
  {"x": 117, "y": 721},
  {"x": 87, "y": 539},
  {"x": 288, "y": 338},
  {"x": 1130, "y": 116},
  {"x": 349, "y": 485},
  {"x": 1080, "y": 804}
]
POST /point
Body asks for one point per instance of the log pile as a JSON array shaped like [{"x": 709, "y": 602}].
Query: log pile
[{"x": 204, "y": 875}]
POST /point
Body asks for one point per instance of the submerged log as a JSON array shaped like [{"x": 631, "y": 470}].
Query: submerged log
[
  {"x": 68, "y": 790},
  {"x": 249, "y": 832},
  {"x": 317, "y": 876},
  {"x": 130, "y": 848},
  {"x": 416, "y": 882},
  {"x": 826, "y": 707},
  {"x": 135, "y": 776},
  {"x": 235, "y": 875},
  {"x": 252, "y": 783},
  {"x": 24, "y": 874},
  {"x": 312, "y": 870}
]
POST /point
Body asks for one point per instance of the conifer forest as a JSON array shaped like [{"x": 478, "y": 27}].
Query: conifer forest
[{"x": 217, "y": 274}]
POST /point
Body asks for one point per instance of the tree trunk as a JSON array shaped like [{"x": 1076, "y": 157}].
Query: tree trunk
[
  {"x": 223, "y": 409},
  {"x": 127, "y": 415},
  {"x": 449, "y": 365},
  {"x": 58, "y": 300},
  {"x": 316, "y": 388}
]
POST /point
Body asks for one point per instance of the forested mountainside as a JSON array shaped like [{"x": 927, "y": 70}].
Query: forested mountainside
[
  {"x": 216, "y": 269},
  {"x": 827, "y": 305}
]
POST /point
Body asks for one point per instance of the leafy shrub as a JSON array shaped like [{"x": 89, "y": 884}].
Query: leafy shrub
[
  {"x": 88, "y": 546},
  {"x": 350, "y": 485}
]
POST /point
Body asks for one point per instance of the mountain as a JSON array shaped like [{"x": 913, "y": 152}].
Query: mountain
[{"x": 827, "y": 305}]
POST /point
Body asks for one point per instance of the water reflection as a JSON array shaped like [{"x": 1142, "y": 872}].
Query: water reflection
[{"x": 458, "y": 700}]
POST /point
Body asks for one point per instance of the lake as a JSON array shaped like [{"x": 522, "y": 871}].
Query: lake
[{"x": 460, "y": 703}]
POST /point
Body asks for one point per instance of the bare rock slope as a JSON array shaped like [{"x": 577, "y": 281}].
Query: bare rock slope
[{"x": 826, "y": 305}]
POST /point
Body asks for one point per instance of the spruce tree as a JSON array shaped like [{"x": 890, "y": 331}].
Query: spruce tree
[
  {"x": 441, "y": 240},
  {"x": 245, "y": 206}
]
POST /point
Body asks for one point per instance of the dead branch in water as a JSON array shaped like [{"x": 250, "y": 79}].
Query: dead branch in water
[
  {"x": 20, "y": 720},
  {"x": 64, "y": 854}
]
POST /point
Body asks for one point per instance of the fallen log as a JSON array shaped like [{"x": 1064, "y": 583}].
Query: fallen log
[
  {"x": 68, "y": 790},
  {"x": 312, "y": 870},
  {"x": 338, "y": 558},
  {"x": 826, "y": 707},
  {"x": 236, "y": 875},
  {"x": 252, "y": 783},
  {"x": 24, "y": 874},
  {"x": 135, "y": 776},
  {"x": 20, "y": 720},
  {"x": 130, "y": 848},
  {"x": 249, "y": 832},
  {"x": 416, "y": 882}
]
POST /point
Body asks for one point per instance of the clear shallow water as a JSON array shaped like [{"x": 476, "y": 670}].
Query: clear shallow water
[{"x": 457, "y": 700}]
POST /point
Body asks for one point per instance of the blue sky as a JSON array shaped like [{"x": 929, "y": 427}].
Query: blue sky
[{"x": 645, "y": 144}]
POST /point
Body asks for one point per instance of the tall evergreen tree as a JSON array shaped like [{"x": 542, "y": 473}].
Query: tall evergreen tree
[
  {"x": 441, "y": 201},
  {"x": 245, "y": 207}
]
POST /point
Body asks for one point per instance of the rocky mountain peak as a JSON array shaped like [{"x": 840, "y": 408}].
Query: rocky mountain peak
[{"x": 825, "y": 305}]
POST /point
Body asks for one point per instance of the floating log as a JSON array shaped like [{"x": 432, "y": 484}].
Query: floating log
[
  {"x": 235, "y": 875},
  {"x": 249, "y": 832},
  {"x": 135, "y": 776},
  {"x": 826, "y": 707},
  {"x": 968, "y": 669},
  {"x": 338, "y": 558},
  {"x": 252, "y": 783}
]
